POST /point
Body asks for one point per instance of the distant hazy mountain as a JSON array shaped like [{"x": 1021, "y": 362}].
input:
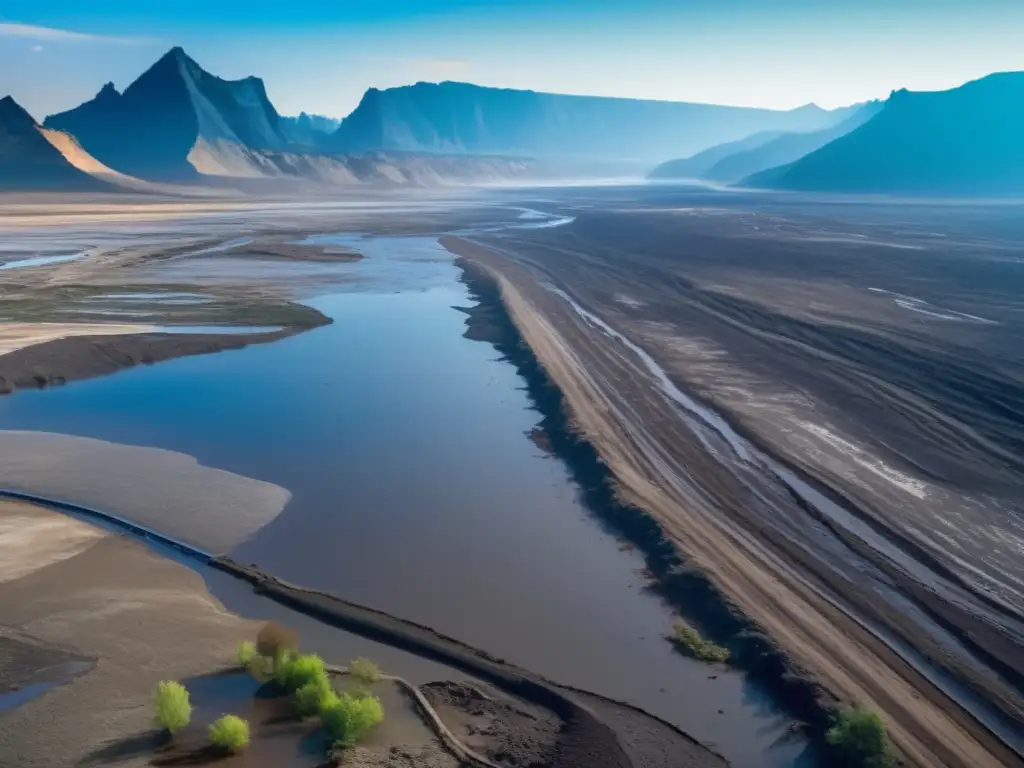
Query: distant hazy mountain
[
  {"x": 738, "y": 159},
  {"x": 28, "y": 159},
  {"x": 786, "y": 148},
  {"x": 696, "y": 166},
  {"x": 968, "y": 140},
  {"x": 309, "y": 130},
  {"x": 462, "y": 118},
  {"x": 173, "y": 111}
]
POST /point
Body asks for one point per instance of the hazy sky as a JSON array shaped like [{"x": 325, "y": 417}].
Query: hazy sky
[{"x": 321, "y": 56}]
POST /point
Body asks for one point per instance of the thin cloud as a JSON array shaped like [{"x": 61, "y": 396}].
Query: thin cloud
[
  {"x": 52, "y": 34},
  {"x": 36, "y": 49}
]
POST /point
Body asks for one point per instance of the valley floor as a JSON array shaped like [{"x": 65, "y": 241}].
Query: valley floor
[
  {"x": 819, "y": 404},
  {"x": 878, "y": 552}
]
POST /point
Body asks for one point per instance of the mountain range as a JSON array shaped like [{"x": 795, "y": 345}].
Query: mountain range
[
  {"x": 179, "y": 123},
  {"x": 966, "y": 140},
  {"x": 453, "y": 117}
]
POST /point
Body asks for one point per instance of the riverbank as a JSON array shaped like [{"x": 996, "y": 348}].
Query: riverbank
[
  {"x": 124, "y": 617},
  {"x": 814, "y": 649},
  {"x": 584, "y": 738},
  {"x": 77, "y": 357}
]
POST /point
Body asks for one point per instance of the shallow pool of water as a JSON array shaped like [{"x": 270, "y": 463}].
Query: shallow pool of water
[
  {"x": 417, "y": 491},
  {"x": 226, "y": 329},
  {"x": 41, "y": 261},
  {"x": 153, "y": 297},
  {"x": 60, "y": 675}
]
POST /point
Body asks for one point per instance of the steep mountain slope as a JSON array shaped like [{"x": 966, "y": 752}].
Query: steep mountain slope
[
  {"x": 462, "y": 118},
  {"x": 151, "y": 129},
  {"x": 29, "y": 161},
  {"x": 696, "y": 166},
  {"x": 967, "y": 140},
  {"x": 786, "y": 148}
]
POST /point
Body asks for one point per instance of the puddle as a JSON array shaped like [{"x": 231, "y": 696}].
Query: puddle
[
  {"x": 107, "y": 312},
  {"x": 41, "y": 261},
  {"x": 228, "y": 329},
  {"x": 168, "y": 297},
  {"x": 227, "y": 245},
  {"x": 928, "y": 309},
  {"x": 63, "y": 674},
  {"x": 278, "y": 740}
]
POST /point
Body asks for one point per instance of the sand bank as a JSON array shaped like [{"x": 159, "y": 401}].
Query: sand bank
[
  {"x": 139, "y": 617},
  {"x": 15, "y": 336},
  {"x": 163, "y": 490}
]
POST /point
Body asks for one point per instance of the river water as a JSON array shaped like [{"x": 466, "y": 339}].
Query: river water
[{"x": 416, "y": 490}]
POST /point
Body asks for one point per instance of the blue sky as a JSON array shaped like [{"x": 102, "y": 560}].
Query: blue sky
[{"x": 321, "y": 56}]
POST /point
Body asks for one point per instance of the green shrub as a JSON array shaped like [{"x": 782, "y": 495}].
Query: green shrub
[
  {"x": 171, "y": 707},
  {"x": 230, "y": 732},
  {"x": 280, "y": 664},
  {"x": 329, "y": 700},
  {"x": 293, "y": 672},
  {"x": 310, "y": 698},
  {"x": 859, "y": 738},
  {"x": 364, "y": 673},
  {"x": 688, "y": 640},
  {"x": 347, "y": 719},
  {"x": 259, "y": 668},
  {"x": 246, "y": 653}
]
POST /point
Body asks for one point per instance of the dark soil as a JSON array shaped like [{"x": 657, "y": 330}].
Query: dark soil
[{"x": 509, "y": 732}]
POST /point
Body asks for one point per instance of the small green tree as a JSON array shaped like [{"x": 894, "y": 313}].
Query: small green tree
[
  {"x": 230, "y": 732},
  {"x": 860, "y": 740},
  {"x": 310, "y": 698},
  {"x": 364, "y": 673},
  {"x": 246, "y": 653},
  {"x": 293, "y": 672},
  {"x": 348, "y": 719},
  {"x": 171, "y": 708}
]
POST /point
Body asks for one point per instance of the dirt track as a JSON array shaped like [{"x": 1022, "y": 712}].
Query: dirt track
[{"x": 812, "y": 582}]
